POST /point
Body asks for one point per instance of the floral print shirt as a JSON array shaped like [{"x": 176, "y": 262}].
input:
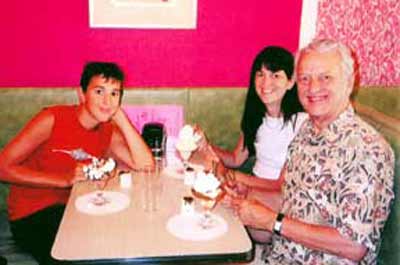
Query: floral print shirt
[{"x": 341, "y": 177}]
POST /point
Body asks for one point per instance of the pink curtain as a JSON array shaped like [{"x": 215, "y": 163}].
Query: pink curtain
[{"x": 372, "y": 29}]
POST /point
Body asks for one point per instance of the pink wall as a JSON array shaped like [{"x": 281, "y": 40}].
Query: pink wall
[
  {"x": 372, "y": 29},
  {"x": 45, "y": 43}
]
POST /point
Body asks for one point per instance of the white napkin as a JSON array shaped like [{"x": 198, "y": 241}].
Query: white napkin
[
  {"x": 187, "y": 227},
  {"x": 117, "y": 201}
]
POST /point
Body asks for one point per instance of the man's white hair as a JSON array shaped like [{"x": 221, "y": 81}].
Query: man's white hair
[{"x": 327, "y": 45}]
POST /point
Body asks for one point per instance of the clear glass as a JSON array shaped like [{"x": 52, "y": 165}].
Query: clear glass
[
  {"x": 185, "y": 155},
  {"x": 207, "y": 204},
  {"x": 151, "y": 178},
  {"x": 100, "y": 198}
]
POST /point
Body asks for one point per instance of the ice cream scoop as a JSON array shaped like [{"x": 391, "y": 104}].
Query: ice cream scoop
[{"x": 207, "y": 184}]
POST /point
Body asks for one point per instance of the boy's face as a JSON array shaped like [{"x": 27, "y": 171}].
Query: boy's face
[{"x": 102, "y": 98}]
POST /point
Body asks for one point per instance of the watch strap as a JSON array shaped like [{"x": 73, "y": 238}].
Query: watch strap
[{"x": 278, "y": 223}]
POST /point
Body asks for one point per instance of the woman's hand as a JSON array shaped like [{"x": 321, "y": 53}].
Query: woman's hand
[
  {"x": 204, "y": 155},
  {"x": 203, "y": 142}
]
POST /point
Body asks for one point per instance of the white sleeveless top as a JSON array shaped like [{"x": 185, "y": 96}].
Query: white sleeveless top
[{"x": 271, "y": 144}]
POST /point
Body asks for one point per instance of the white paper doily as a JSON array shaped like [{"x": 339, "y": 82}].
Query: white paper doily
[
  {"x": 177, "y": 172},
  {"x": 187, "y": 227},
  {"x": 117, "y": 201}
]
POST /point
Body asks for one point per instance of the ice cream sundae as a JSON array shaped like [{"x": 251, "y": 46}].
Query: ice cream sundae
[
  {"x": 187, "y": 142},
  {"x": 207, "y": 188},
  {"x": 99, "y": 171},
  {"x": 99, "y": 168},
  {"x": 207, "y": 185}
]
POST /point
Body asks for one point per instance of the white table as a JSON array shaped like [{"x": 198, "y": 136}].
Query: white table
[{"x": 135, "y": 236}]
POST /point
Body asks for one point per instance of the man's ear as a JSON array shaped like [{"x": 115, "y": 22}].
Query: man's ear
[{"x": 81, "y": 95}]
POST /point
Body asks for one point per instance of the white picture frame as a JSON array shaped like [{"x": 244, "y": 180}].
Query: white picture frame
[{"x": 143, "y": 14}]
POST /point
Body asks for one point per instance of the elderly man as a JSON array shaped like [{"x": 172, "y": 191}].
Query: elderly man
[{"x": 337, "y": 184}]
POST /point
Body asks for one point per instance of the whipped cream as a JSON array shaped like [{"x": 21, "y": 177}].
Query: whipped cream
[
  {"x": 188, "y": 138},
  {"x": 207, "y": 184},
  {"x": 99, "y": 168}
]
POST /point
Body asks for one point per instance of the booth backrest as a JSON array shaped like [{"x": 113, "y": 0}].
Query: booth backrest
[{"x": 218, "y": 111}]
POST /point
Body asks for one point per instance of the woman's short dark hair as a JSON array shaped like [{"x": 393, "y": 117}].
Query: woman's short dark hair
[
  {"x": 105, "y": 69},
  {"x": 274, "y": 59}
]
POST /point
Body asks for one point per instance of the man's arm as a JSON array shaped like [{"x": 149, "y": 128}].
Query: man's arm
[
  {"x": 127, "y": 144},
  {"x": 12, "y": 157},
  {"x": 322, "y": 238}
]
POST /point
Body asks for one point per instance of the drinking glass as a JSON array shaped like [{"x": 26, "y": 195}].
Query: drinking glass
[{"x": 152, "y": 187}]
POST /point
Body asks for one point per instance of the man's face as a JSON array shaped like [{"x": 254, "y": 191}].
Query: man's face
[
  {"x": 102, "y": 97},
  {"x": 324, "y": 90}
]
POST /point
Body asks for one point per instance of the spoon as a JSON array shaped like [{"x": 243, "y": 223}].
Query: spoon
[{"x": 77, "y": 154}]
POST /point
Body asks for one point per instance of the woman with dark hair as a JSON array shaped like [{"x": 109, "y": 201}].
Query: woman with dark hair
[{"x": 272, "y": 116}]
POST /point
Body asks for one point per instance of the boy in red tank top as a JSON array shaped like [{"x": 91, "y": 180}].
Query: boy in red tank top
[{"x": 41, "y": 179}]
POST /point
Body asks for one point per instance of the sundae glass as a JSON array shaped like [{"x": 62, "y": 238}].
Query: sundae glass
[
  {"x": 100, "y": 171},
  {"x": 207, "y": 189},
  {"x": 187, "y": 143}
]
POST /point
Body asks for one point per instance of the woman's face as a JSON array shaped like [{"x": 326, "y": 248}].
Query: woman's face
[{"x": 271, "y": 86}]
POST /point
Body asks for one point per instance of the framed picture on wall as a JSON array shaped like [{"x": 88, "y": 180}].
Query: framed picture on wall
[{"x": 143, "y": 14}]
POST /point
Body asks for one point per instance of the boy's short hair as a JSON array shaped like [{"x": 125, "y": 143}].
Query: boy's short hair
[{"x": 105, "y": 69}]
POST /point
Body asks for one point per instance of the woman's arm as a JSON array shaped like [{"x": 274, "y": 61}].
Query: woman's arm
[
  {"x": 257, "y": 185},
  {"x": 19, "y": 149},
  {"x": 127, "y": 145},
  {"x": 235, "y": 158}
]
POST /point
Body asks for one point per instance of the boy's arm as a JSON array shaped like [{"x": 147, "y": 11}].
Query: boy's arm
[
  {"x": 127, "y": 145},
  {"x": 19, "y": 149}
]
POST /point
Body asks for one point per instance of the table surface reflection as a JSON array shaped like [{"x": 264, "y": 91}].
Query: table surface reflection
[{"x": 133, "y": 236}]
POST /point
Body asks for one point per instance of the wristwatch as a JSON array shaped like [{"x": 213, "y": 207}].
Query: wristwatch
[{"x": 278, "y": 224}]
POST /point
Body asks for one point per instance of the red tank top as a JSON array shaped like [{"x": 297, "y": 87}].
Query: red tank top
[{"x": 67, "y": 133}]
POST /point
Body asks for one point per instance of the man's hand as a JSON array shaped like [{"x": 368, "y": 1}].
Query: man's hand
[{"x": 254, "y": 214}]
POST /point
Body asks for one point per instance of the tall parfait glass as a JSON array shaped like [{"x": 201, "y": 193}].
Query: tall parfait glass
[{"x": 208, "y": 191}]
